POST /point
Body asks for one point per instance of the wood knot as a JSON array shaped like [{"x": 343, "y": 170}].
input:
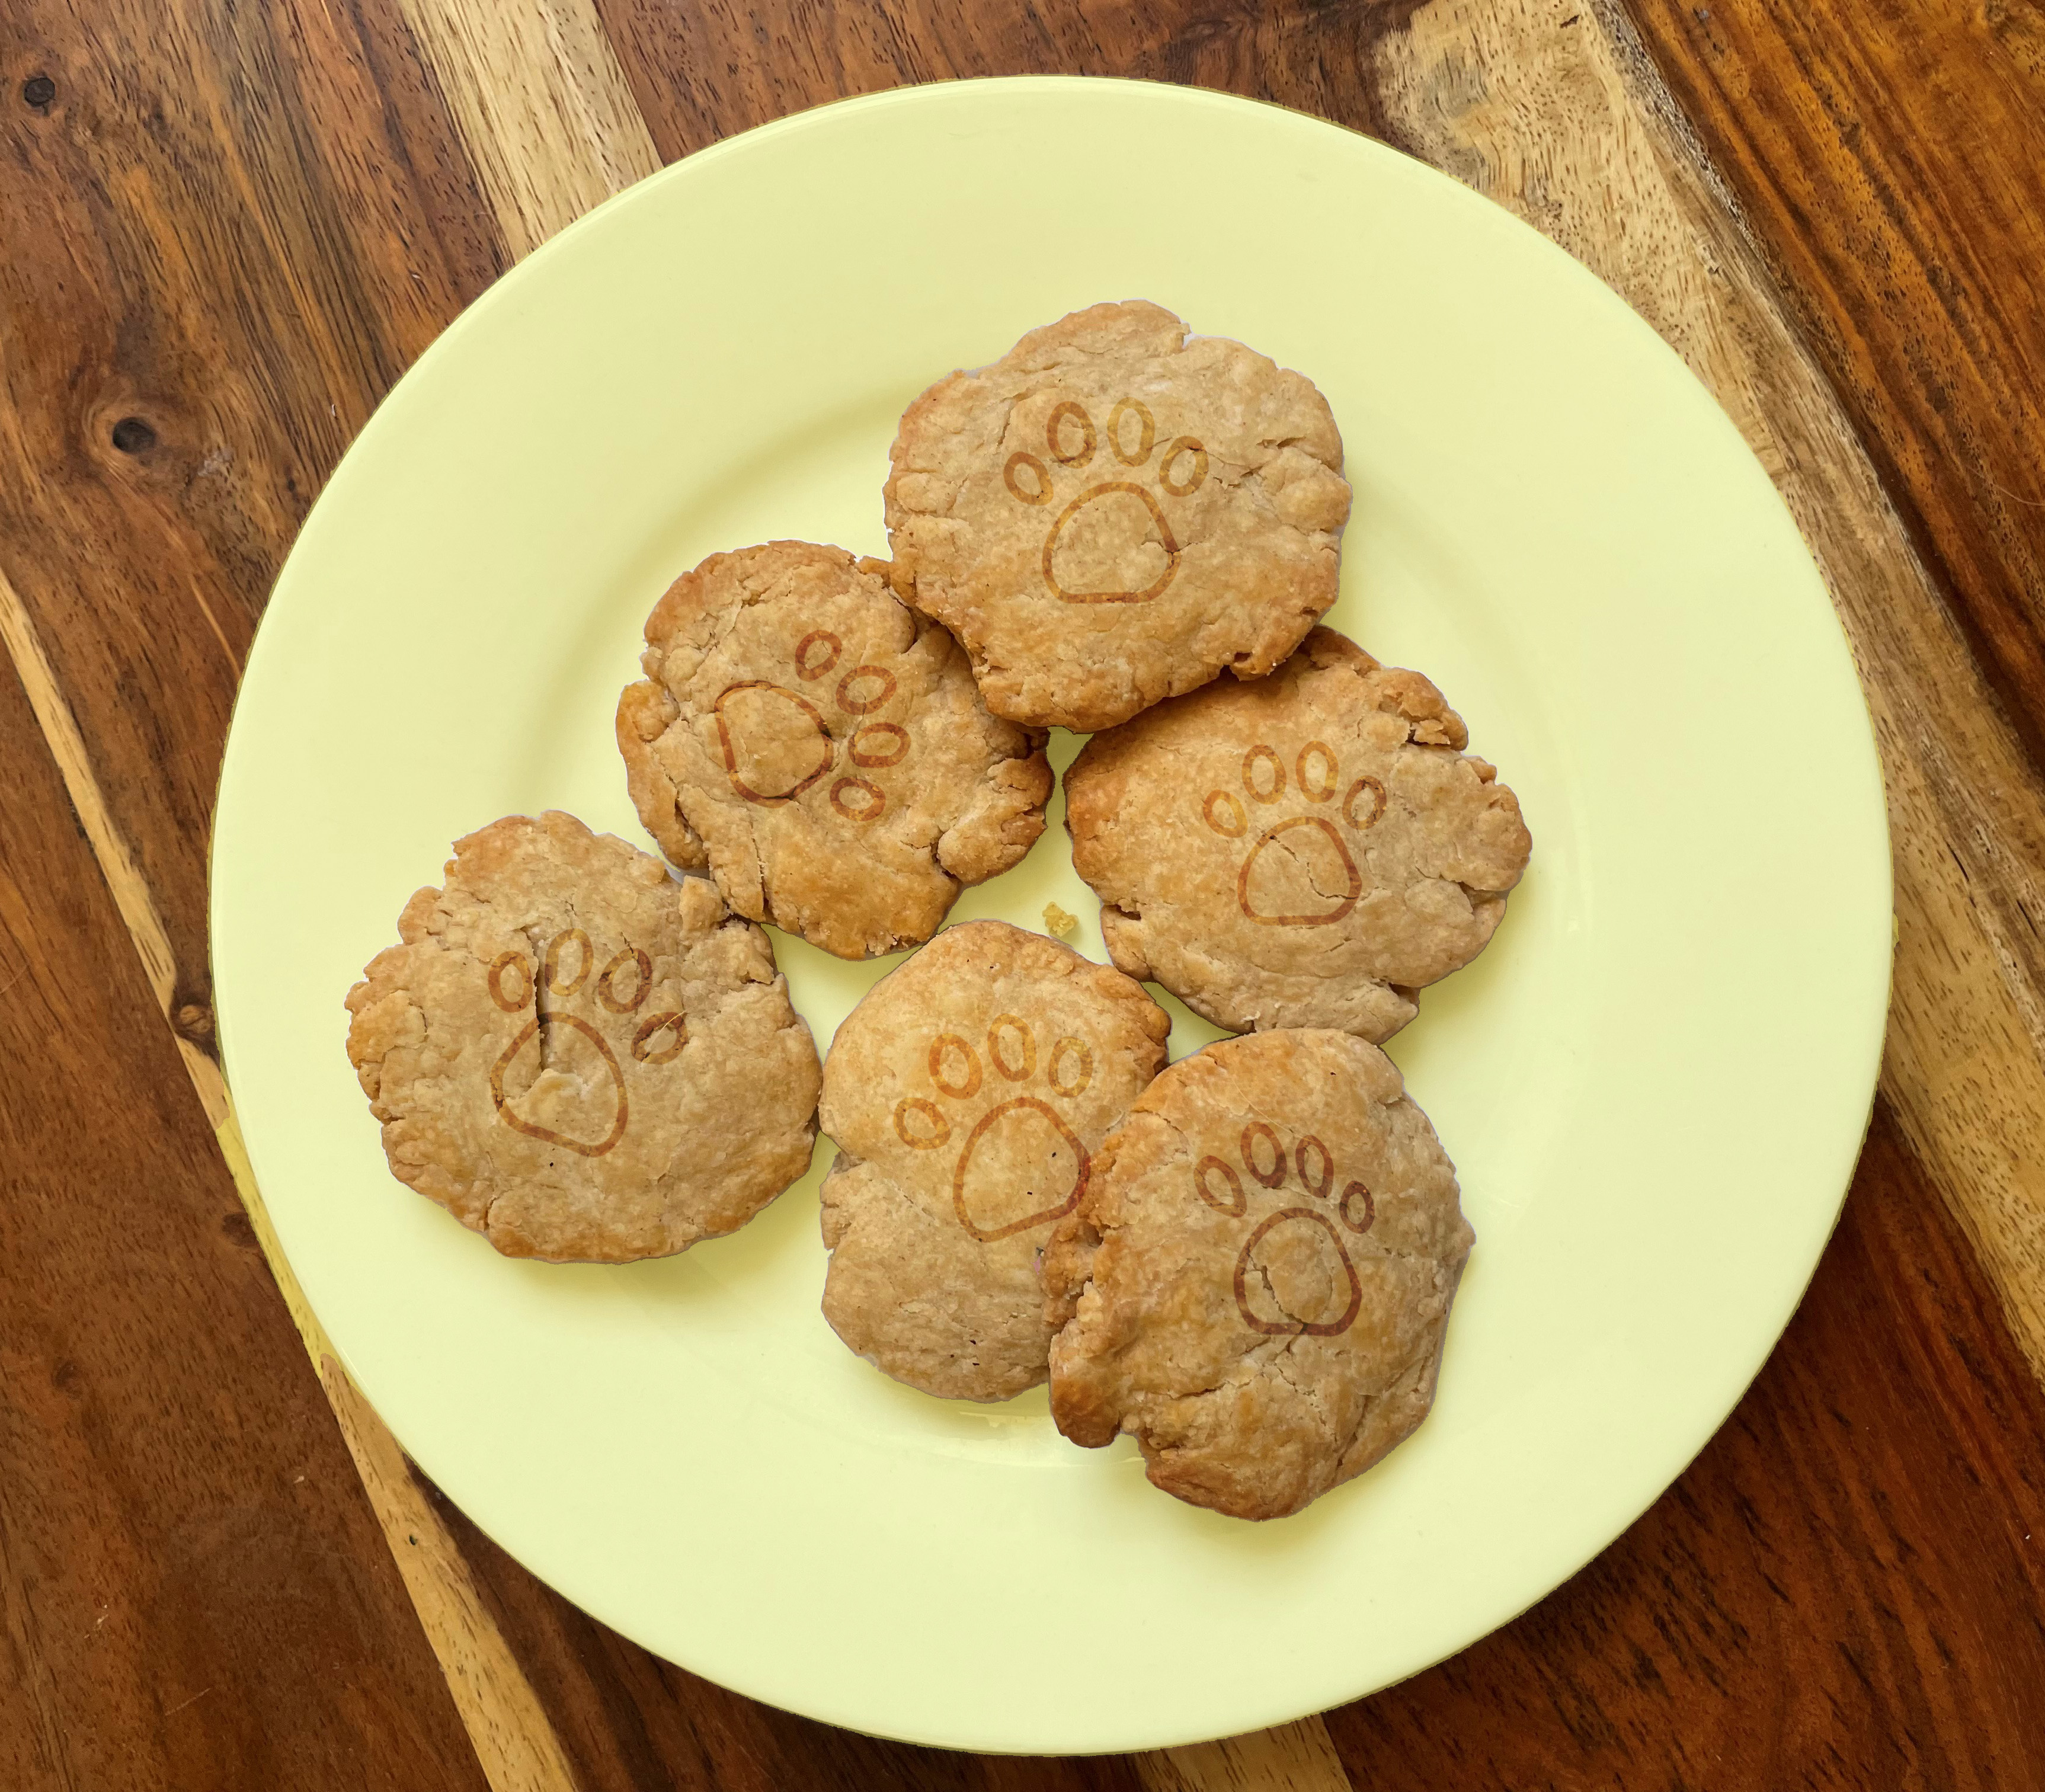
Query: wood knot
[
  {"x": 37, "y": 91},
  {"x": 132, "y": 436}
]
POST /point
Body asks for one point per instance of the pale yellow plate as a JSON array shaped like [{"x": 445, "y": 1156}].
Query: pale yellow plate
[{"x": 1653, "y": 1085}]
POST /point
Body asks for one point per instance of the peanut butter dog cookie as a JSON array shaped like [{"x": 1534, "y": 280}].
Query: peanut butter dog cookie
[
  {"x": 1114, "y": 513},
  {"x": 967, "y": 1092},
  {"x": 821, "y": 750},
  {"x": 1306, "y": 851},
  {"x": 1256, "y": 1282},
  {"x": 578, "y": 1058}
]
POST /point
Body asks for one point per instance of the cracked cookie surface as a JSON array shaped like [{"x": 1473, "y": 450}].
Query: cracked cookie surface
[
  {"x": 1306, "y": 851},
  {"x": 578, "y": 1057},
  {"x": 1114, "y": 512},
  {"x": 967, "y": 1093},
  {"x": 822, "y": 750},
  {"x": 1256, "y": 1283}
]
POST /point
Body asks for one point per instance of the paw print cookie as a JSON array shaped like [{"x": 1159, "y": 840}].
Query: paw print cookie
[
  {"x": 1256, "y": 1282},
  {"x": 578, "y": 1057},
  {"x": 967, "y": 1093},
  {"x": 822, "y": 750},
  {"x": 1114, "y": 512},
  {"x": 1306, "y": 851}
]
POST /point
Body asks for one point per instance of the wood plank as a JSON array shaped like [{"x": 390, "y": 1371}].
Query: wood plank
[
  {"x": 1293, "y": 1758},
  {"x": 184, "y": 516},
  {"x": 193, "y": 1591},
  {"x": 514, "y": 1737},
  {"x": 245, "y": 223},
  {"x": 701, "y": 70},
  {"x": 1890, "y": 159},
  {"x": 1845, "y": 1589},
  {"x": 542, "y": 108}
]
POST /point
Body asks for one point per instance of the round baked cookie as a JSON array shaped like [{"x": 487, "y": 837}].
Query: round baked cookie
[
  {"x": 1305, "y": 851},
  {"x": 1114, "y": 513},
  {"x": 967, "y": 1092},
  {"x": 1256, "y": 1283},
  {"x": 578, "y": 1057},
  {"x": 821, "y": 748}
]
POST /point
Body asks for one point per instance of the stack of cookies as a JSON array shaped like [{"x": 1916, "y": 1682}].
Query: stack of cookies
[{"x": 1244, "y": 1260}]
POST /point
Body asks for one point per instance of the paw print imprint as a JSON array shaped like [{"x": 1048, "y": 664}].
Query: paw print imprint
[
  {"x": 777, "y": 742},
  {"x": 620, "y": 988},
  {"x": 1293, "y": 1274},
  {"x": 1032, "y": 1167},
  {"x": 1111, "y": 544},
  {"x": 1312, "y": 842}
]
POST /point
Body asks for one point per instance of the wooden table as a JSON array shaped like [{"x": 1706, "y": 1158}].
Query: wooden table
[{"x": 226, "y": 228}]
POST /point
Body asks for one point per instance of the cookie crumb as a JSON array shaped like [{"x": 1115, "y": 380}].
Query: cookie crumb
[{"x": 1057, "y": 921}]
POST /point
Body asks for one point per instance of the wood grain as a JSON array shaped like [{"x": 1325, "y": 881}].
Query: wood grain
[
  {"x": 1916, "y": 134},
  {"x": 245, "y": 222},
  {"x": 351, "y": 174},
  {"x": 513, "y": 1735},
  {"x": 192, "y": 1591},
  {"x": 1296, "y": 1757},
  {"x": 541, "y": 106},
  {"x": 185, "y": 485},
  {"x": 131, "y": 894}
]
